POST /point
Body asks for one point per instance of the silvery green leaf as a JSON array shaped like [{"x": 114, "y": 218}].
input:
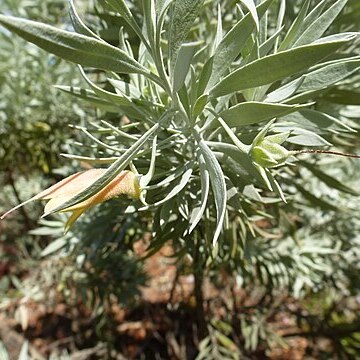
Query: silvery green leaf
[
  {"x": 55, "y": 245},
  {"x": 174, "y": 175},
  {"x": 182, "y": 65},
  {"x": 232, "y": 44},
  {"x": 205, "y": 76},
  {"x": 284, "y": 91},
  {"x": 261, "y": 134},
  {"x": 294, "y": 30},
  {"x": 278, "y": 66},
  {"x": 182, "y": 17},
  {"x": 313, "y": 249},
  {"x": 121, "y": 7},
  {"x": 47, "y": 230},
  {"x": 250, "y": 5},
  {"x": 78, "y": 24},
  {"x": 90, "y": 96},
  {"x": 329, "y": 180},
  {"x": 252, "y": 112},
  {"x": 307, "y": 138},
  {"x": 329, "y": 74},
  {"x": 145, "y": 179},
  {"x": 125, "y": 88},
  {"x": 162, "y": 7},
  {"x": 150, "y": 19},
  {"x": 218, "y": 186},
  {"x": 314, "y": 14},
  {"x": 184, "y": 180},
  {"x": 265, "y": 47},
  {"x": 198, "y": 211},
  {"x": 90, "y": 160},
  {"x": 199, "y": 105},
  {"x": 264, "y": 173},
  {"x": 242, "y": 147},
  {"x": 241, "y": 163},
  {"x": 219, "y": 31},
  {"x": 317, "y": 28},
  {"x": 252, "y": 193},
  {"x": 104, "y": 94},
  {"x": 276, "y": 186},
  {"x": 77, "y": 48},
  {"x": 317, "y": 119},
  {"x": 280, "y": 19}
]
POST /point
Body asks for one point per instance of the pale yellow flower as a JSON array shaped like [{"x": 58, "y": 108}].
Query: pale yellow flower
[{"x": 125, "y": 183}]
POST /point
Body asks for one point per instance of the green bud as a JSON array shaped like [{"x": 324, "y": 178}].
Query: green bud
[{"x": 268, "y": 153}]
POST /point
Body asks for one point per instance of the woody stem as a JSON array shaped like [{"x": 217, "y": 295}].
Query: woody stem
[{"x": 317, "y": 151}]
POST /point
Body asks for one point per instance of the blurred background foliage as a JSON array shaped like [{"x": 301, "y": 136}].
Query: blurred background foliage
[{"x": 299, "y": 270}]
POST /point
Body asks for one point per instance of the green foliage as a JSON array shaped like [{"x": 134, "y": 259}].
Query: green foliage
[
  {"x": 33, "y": 114},
  {"x": 175, "y": 103},
  {"x": 213, "y": 115}
]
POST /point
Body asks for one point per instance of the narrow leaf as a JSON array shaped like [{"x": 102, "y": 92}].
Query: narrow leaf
[
  {"x": 252, "y": 112},
  {"x": 284, "y": 91},
  {"x": 182, "y": 17},
  {"x": 182, "y": 65},
  {"x": 218, "y": 186},
  {"x": 121, "y": 7},
  {"x": 316, "y": 119},
  {"x": 245, "y": 166},
  {"x": 307, "y": 138},
  {"x": 198, "y": 212},
  {"x": 184, "y": 180},
  {"x": 282, "y": 64},
  {"x": 74, "y": 47},
  {"x": 106, "y": 95},
  {"x": 78, "y": 24},
  {"x": 328, "y": 180},
  {"x": 219, "y": 32},
  {"x": 90, "y": 96},
  {"x": 56, "y": 245},
  {"x": 321, "y": 24},
  {"x": 233, "y": 42},
  {"x": 125, "y": 88},
  {"x": 330, "y": 74},
  {"x": 265, "y": 48},
  {"x": 150, "y": 19},
  {"x": 315, "y": 201},
  {"x": 294, "y": 31},
  {"x": 250, "y": 5}
]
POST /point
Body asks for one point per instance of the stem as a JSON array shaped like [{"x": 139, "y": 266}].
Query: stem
[
  {"x": 317, "y": 151},
  {"x": 198, "y": 292},
  {"x": 18, "y": 199}
]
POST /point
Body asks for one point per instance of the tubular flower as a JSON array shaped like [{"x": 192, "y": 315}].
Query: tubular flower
[{"x": 125, "y": 183}]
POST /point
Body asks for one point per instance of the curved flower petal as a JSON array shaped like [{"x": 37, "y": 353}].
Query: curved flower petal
[
  {"x": 71, "y": 220},
  {"x": 72, "y": 184},
  {"x": 126, "y": 182}
]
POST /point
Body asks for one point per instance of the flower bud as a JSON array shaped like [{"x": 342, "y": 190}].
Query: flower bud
[{"x": 269, "y": 153}]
